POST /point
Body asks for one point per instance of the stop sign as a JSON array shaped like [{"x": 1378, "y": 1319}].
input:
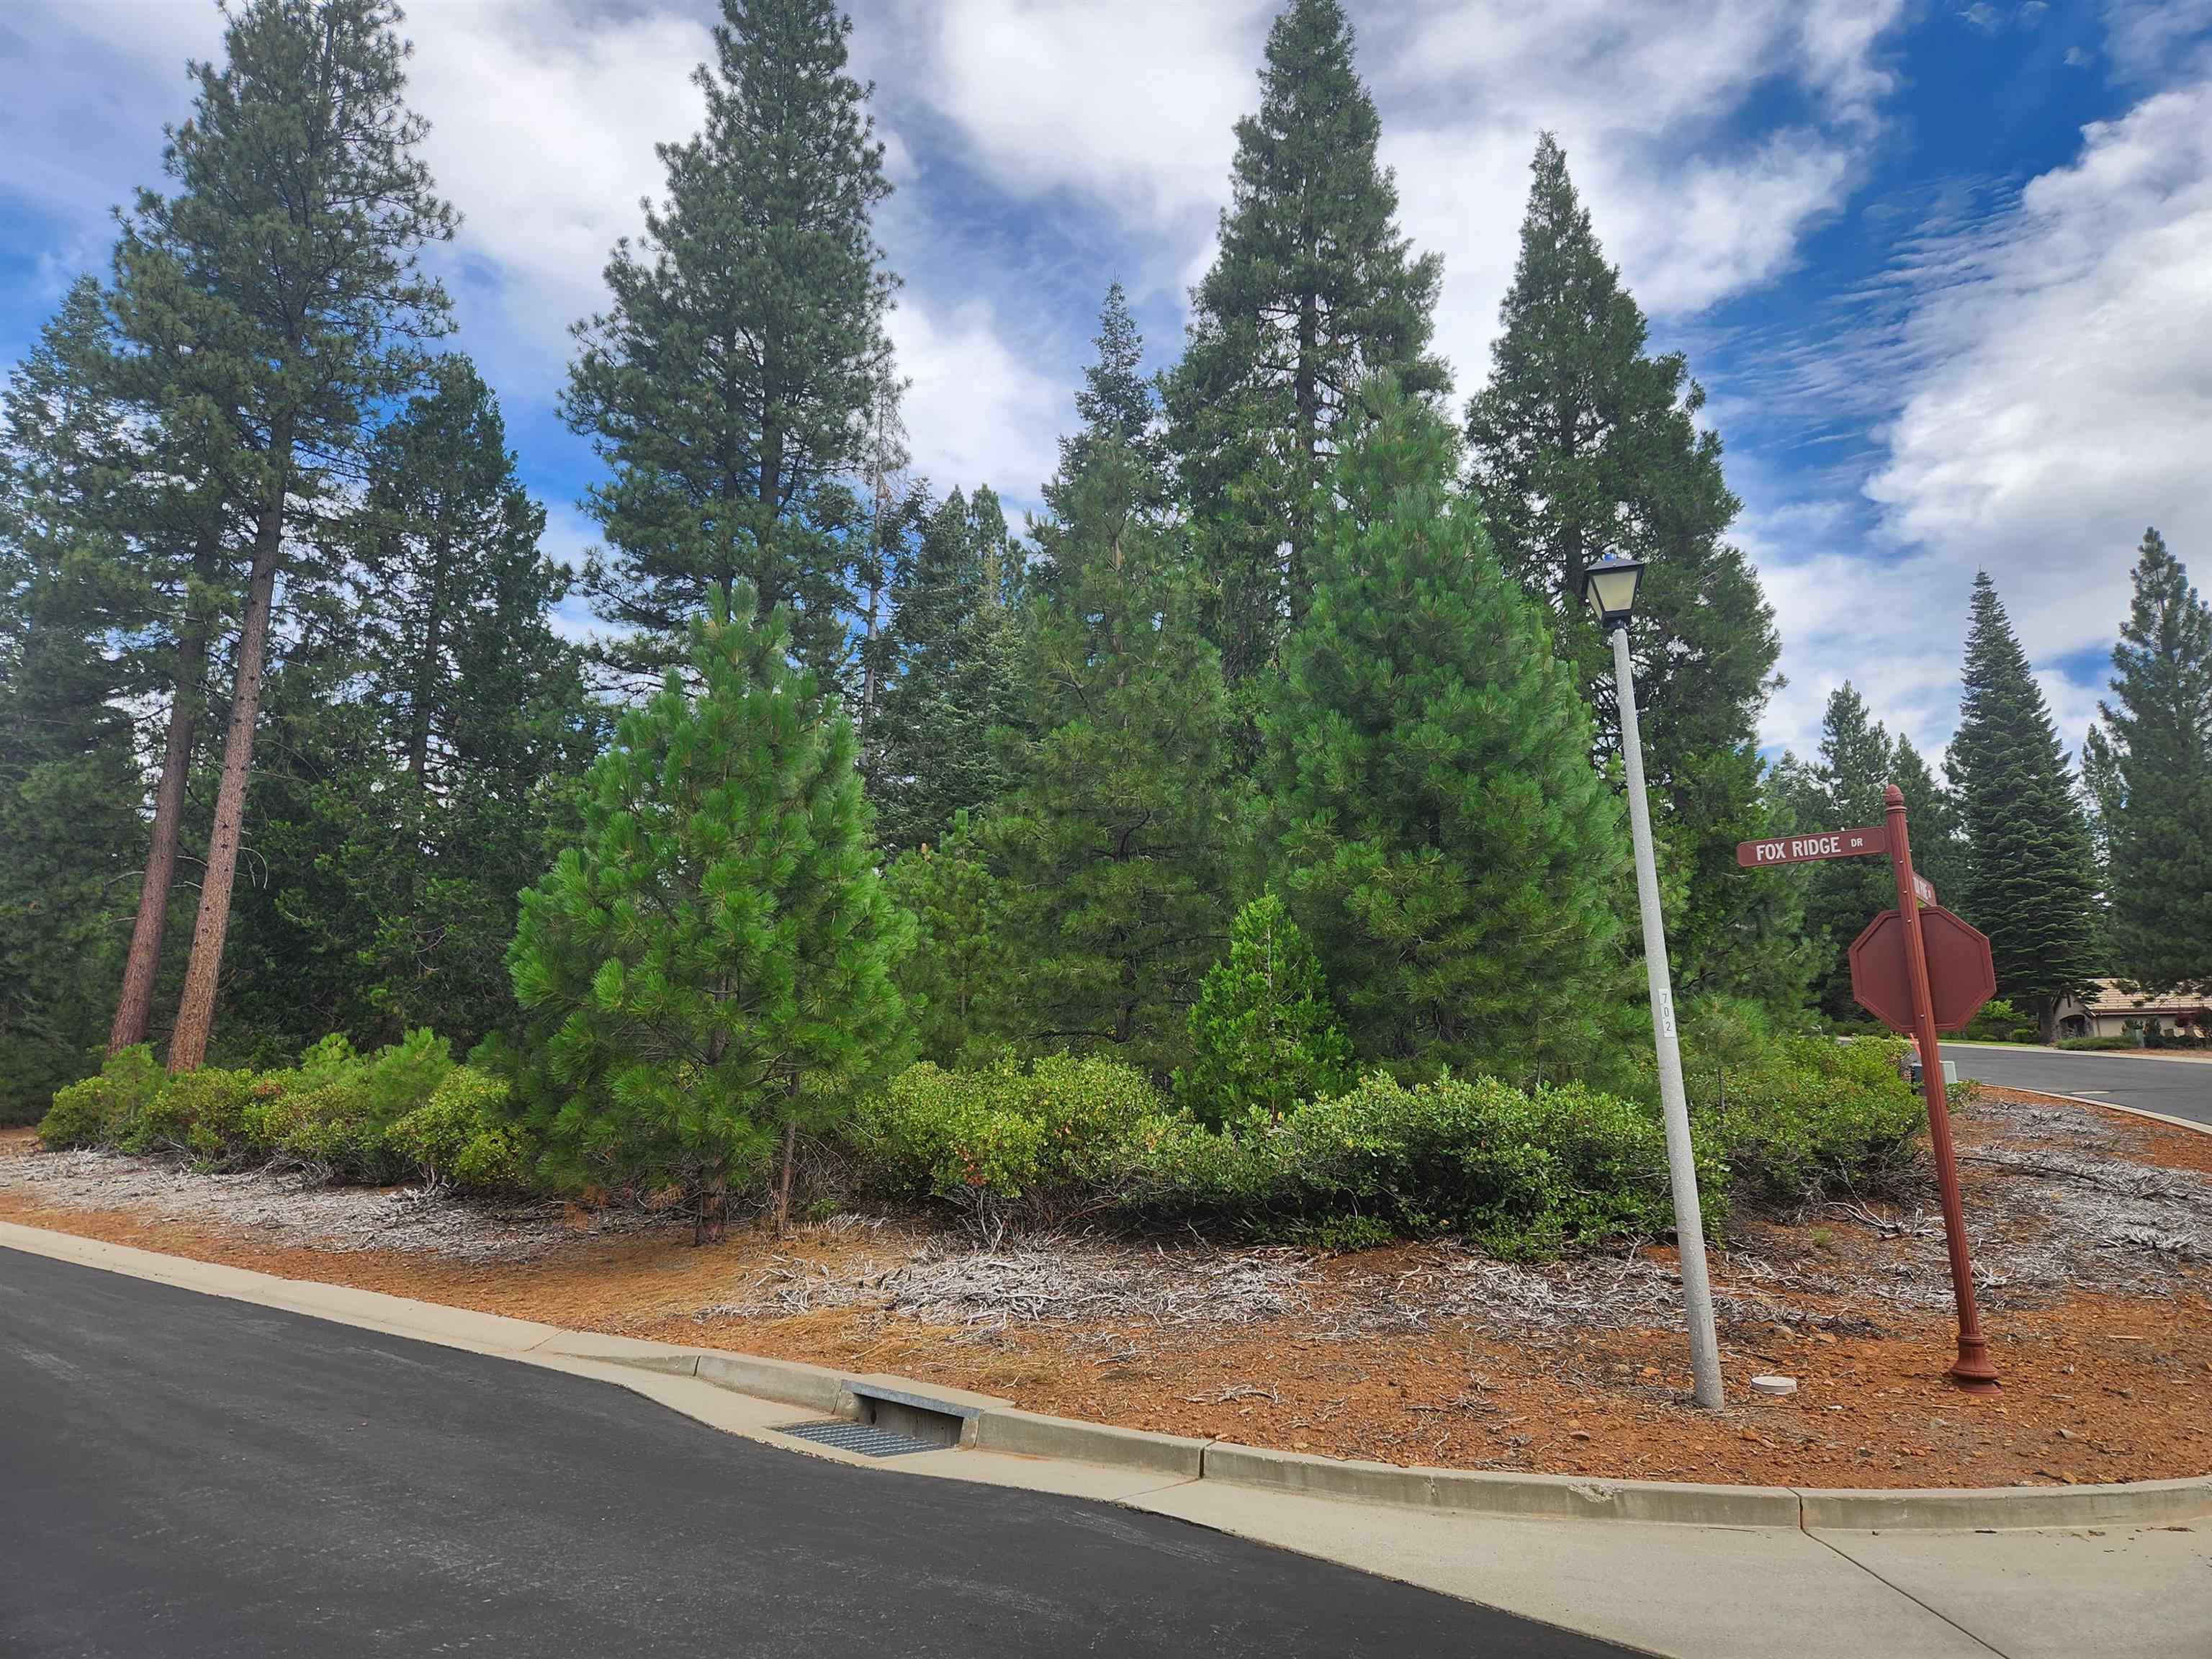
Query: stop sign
[{"x": 1961, "y": 977}]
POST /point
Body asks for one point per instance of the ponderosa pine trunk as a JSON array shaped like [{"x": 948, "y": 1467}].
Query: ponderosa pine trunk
[
  {"x": 783, "y": 1188},
  {"x": 134, "y": 1007},
  {"x": 196, "y": 1007}
]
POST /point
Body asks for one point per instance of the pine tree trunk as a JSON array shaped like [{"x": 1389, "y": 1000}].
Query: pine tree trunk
[
  {"x": 1308, "y": 441},
  {"x": 783, "y": 1189},
  {"x": 196, "y": 1008},
  {"x": 135, "y": 1006},
  {"x": 426, "y": 669}
]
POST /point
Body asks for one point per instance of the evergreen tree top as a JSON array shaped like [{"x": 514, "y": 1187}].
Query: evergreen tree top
[
  {"x": 1116, "y": 400},
  {"x": 2003, "y": 705},
  {"x": 1567, "y": 300},
  {"x": 1856, "y": 757},
  {"x": 731, "y": 382},
  {"x": 1313, "y": 212},
  {"x": 2162, "y": 666},
  {"x": 2031, "y": 877},
  {"x": 289, "y": 252}
]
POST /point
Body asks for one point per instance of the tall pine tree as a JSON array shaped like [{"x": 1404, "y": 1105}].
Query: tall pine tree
[
  {"x": 1313, "y": 289},
  {"x": 729, "y": 383},
  {"x": 287, "y": 256},
  {"x": 948, "y": 676},
  {"x": 1585, "y": 444},
  {"x": 2030, "y": 877},
  {"x": 74, "y": 598},
  {"x": 1457, "y": 860},
  {"x": 1114, "y": 841},
  {"x": 408, "y": 810},
  {"x": 2158, "y": 815}
]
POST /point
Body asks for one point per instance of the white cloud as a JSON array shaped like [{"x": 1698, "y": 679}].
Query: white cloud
[
  {"x": 2149, "y": 39},
  {"x": 979, "y": 410},
  {"x": 2054, "y": 367},
  {"x": 1132, "y": 102},
  {"x": 542, "y": 123},
  {"x": 1131, "y": 107},
  {"x": 1641, "y": 97}
]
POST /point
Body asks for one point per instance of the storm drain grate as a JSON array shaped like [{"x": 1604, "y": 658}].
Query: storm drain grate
[{"x": 863, "y": 1438}]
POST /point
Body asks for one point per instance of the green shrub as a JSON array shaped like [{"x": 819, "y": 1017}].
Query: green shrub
[
  {"x": 1042, "y": 1143},
  {"x": 1521, "y": 1174},
  {"x": 461, "y": 1136},
  {"x": 335, "y": 1110},
  {"x": 1997, "y": 1022},
  {"x": 2100, "y": 1042},
  {"x": 203, "y": 1112},
  {"x": 1262, "y": 1034},
  {"x": 1806, "y": 1115},
  {"x": 105, "y": 1110},
  {"x": 2025, "y": 1034}
]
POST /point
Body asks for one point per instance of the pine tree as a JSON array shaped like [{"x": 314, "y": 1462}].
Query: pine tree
[
  {"x": 2101, "y": 799},
  {"x": 895, "y": 507},
  {"x": 1313, "y": 289},
  {"x": 957, "y": 981},
  {"x": 119, "y": 493},
  {"x": 1443, "y": 835},
  {"x": 1583, "y": 444},
  {"x": 2158, "y": 820},
  {"x": 75, "y": 596},
  {"x": 2030, "y": 877},
  {"x": 1856, "y": 765},
  {"x": 948, "y": 680},
  {"x": 713, "y": 964},
  {"x": 1116, "y": 403},
  {"x": 1931, "y": 820},
  {"x": 730, "y": 383},
  {"x": 1263, "y": 1036},
  {"x": 287, "y": 258},
  {"x": 418, "y": 785},
  {"x": 1114, "y": 844}
]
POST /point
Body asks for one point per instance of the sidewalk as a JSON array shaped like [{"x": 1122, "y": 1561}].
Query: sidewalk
[{"x": 1697, "y": 1591}]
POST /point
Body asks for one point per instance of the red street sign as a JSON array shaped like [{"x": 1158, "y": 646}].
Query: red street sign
[
  {"x": 1925, "y": 889},
  {"x": 1822, "y": 844},
  {"x": 1961, "y": 977}
]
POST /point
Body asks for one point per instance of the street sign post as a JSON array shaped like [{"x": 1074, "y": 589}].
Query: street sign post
[
  {"x": 1970, "y": 979},
  {"x": 1919, "y": 970}
]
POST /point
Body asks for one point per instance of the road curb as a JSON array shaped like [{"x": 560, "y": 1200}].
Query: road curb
[
  {"x": 998, "y": 1427},
  {"x": 2115, "y": 1106},
  {"x": 1476, "y": 1492},
  {"x": 2138, "y": 1503}
]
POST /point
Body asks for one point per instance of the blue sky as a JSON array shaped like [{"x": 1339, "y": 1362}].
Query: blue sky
[{"x": 1944, "y": 270}]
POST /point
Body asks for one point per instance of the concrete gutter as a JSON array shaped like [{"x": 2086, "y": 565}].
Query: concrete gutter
[{"x": 990, "y": 1424}]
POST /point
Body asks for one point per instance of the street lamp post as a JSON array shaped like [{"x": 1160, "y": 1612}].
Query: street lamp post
[{"x": 1610, "y": 586}]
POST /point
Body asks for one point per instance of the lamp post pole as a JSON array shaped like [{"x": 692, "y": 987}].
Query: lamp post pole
[{"x": 1681, "y": 1162}]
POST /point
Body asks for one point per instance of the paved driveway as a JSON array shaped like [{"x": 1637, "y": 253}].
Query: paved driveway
[
  {"x": 183, "y": 1475},
  {"x": 2176, "y": 1088}
]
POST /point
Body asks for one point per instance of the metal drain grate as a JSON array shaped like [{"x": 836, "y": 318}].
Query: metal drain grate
[{"x": 863, "y": 1438}]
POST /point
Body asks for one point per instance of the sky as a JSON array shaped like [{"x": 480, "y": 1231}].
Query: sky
[{"x": 1944, "y": 269}]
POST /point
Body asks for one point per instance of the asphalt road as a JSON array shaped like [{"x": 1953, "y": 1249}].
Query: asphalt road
[
  {"x": 181, "y": 1474},
  {"x": 2176, "y": 1088}
]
